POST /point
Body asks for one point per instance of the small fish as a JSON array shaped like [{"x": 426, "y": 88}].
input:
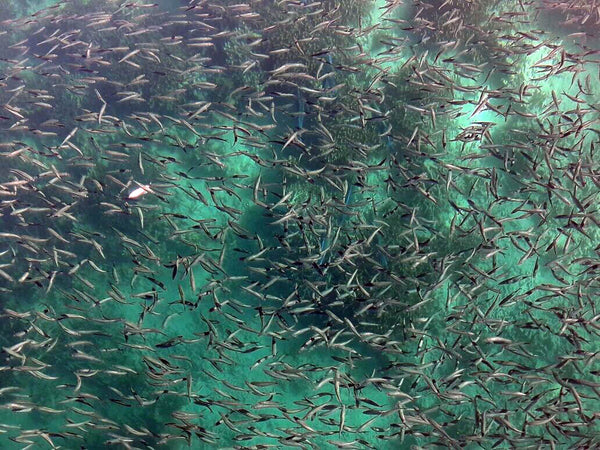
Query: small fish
[{"x": 139, "y": 191}]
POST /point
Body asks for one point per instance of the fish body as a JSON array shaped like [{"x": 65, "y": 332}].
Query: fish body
[{"x": 139, "y": 191}]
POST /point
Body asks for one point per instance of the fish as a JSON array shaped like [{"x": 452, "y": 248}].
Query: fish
[
  {"x": 139, "y": 191},
  {"x": 367, "y": 222}
]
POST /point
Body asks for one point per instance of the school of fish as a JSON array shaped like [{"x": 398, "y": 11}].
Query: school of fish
[{"x": 335, "y": 224}]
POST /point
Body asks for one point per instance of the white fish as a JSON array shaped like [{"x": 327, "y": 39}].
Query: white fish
[{"x": 139, "y": 191}]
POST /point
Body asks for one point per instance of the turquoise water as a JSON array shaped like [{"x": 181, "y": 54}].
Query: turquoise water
[{"x": 299, "y": 224}]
